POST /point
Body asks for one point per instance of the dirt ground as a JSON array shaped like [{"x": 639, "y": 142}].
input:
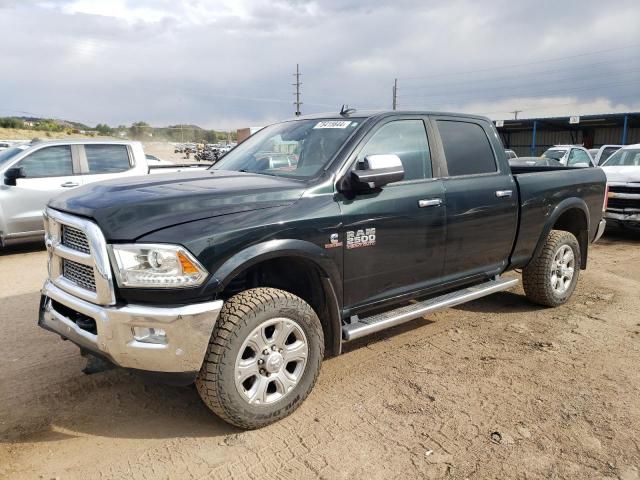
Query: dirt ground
[{"x": 497, "y": 388}]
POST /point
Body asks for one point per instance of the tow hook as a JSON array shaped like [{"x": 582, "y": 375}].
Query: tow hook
[{"x": 95, "y": 364}]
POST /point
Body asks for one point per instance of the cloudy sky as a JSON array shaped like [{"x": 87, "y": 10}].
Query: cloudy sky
[{"x": 229, "y": 63}]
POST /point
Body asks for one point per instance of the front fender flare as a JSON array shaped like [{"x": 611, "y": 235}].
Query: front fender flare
[{"x": 329, "y": 272}]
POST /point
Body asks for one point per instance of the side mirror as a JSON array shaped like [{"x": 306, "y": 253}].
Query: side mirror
[
  {"x": 13, "y": 174},
  {"x": 375, "y": 171}
]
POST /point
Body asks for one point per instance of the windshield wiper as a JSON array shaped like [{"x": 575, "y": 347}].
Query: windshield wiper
[{"x": 262, "y": 172}]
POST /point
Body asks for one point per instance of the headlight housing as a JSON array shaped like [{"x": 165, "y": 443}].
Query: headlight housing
[{"x": 156, "y": 266}]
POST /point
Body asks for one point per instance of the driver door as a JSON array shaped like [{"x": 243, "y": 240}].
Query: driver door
[
  {"x": 394, "y": 237},
  {"x": 48, "y": 171}
]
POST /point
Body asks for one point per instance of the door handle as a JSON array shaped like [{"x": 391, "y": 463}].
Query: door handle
[
  {"x": 69, "y": 184},
  {"x": 504, "y": 193},
  {"x": 431, "y": 202}
]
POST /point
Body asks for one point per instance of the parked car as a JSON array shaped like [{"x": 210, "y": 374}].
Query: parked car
[
  {"x": 534, "y": 162},
  {"x": 623, "y": 179},
  {"x": 510, "y": 154},
  {"x": 4, "y": 145},
  {"x": 34, "y": 173},
  {"x": 245, "y": 276},
  {"x": 604, "y": 152},
  {"x": 570, "y": 155}
]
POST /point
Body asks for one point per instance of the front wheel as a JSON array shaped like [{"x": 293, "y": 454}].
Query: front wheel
[
  {"x": 551, "y": 277},
  {"x": 263, "y": 358}
]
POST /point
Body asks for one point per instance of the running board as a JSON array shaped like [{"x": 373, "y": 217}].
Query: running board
[{"x": 368, "y": 325}]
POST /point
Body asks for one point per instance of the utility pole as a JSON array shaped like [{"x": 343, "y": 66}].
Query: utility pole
[
  {"x": 297, "y": 103},
  {"x": 515, "y": 114},
  {"x": 395, "y": 93}
]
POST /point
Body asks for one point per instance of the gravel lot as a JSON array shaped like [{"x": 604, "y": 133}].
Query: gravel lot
[{"x": 497, "y": 388}]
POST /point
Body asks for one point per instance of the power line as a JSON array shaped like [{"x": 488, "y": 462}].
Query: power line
[
  {"x": 554, "y": 92},
  {"x": 521, "y": 109},
  {"x": 514, "y": 65},
  {"x": 518, "y": 76}
]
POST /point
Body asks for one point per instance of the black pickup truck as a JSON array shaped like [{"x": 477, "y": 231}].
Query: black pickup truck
[{"x": 313, "y": 232}]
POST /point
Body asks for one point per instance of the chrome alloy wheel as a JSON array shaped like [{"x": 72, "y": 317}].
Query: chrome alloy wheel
[
  {"x": 562, "y": 269},
  {"x": 271, "y": 361}
]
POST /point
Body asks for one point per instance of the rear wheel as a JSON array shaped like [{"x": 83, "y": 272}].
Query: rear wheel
[
  {"x": 551, "y": 277},
  {"x": 263, "y": 358}
]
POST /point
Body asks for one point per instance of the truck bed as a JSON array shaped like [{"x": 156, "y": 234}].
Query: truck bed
[{"x": 539, "y": 191}]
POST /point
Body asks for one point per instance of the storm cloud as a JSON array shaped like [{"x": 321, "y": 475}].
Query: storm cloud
[{"x": 229, "y": 63}]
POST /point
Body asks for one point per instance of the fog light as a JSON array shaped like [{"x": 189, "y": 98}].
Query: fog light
[{"x": 149, "y": 335}]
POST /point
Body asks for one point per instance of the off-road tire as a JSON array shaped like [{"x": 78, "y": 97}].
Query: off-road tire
[
  {"x": 536, "y": 277},
  {"x": 239, "y": 316}
]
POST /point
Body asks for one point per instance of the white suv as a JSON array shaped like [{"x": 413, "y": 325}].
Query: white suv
[{"x": 570, "y": 155}]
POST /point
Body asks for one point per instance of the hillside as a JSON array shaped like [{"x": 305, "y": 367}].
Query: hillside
[{"x": 24, "y": 134}]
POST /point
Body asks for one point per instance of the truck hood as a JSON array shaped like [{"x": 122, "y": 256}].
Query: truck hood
[
  {"x": 622, "y": 174},
  {"x": 128, "y": 208}
]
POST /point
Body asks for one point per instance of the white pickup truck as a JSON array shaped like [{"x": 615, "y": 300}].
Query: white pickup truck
[{"x": 32, "y": 174}]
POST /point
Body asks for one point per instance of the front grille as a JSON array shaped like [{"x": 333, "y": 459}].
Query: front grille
[
  {"x": 75, "y": 239},
  {"x": 78, "y": 257},
  {"x": 624, "y": 189},
  {"x": 81, "y": 275},
  {"x": 622, "y": 203}
]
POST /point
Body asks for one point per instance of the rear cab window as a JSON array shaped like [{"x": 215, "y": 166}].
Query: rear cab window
[
  {"x": 555, "y": 154},
  {"x": 105, "y": 158},
  {"x": 467, "y": 149}
]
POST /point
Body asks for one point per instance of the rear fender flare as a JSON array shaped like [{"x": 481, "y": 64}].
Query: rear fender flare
[{"x": 562, "y": 207}]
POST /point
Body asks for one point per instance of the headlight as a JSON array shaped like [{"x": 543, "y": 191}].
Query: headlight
[{"x": 156, "y": 266}]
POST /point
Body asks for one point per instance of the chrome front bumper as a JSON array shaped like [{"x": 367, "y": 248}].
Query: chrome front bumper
[
  {"x": 187, "y": 330},
  {"x": 600, "y": 230},
  {"x": 623, "y": 217}
]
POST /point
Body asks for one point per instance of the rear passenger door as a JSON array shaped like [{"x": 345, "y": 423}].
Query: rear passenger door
[
  {"x": 103, "y": 161},
  {"x": 480, "y": 197}
]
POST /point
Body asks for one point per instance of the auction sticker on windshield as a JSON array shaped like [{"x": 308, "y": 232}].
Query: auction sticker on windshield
[{"x": 333, "y": 124}]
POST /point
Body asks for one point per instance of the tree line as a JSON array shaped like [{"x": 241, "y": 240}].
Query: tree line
[{"x": 136, "y": 131}]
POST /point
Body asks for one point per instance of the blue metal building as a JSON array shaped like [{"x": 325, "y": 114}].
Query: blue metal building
[{"x": 532, "y": 136}]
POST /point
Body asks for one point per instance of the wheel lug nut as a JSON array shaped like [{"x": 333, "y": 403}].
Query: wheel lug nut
[
  {"x": 266, "y": 351},
  {"x": 274, "y": 348},
  {"x": 262, "y": 371},
  {"x": 260, "y": 361}
]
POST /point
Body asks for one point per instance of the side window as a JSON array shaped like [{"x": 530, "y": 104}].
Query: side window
[
  {"x": 466, "y": 148},
  {"x": 408, "y": 140},
  {"x": 107, "y": 158},
  {"x": 48, "y": 162},
  {"x": 578, "y": 156}
]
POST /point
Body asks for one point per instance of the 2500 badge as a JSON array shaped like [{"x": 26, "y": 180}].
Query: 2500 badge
[{"x": 361, "y": 238}]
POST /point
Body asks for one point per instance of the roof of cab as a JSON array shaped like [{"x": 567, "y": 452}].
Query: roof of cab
[
  {"x": 384, "y": 113},
  {"x": 78, "y": 141}
]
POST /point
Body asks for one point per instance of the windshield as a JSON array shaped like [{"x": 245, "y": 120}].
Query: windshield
[
  {"x": 628, "y": 157},
  {"x": 297, "y": 149},
  {"x": 8, "y": 154},
  {"x": 555, "y": 154}
]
